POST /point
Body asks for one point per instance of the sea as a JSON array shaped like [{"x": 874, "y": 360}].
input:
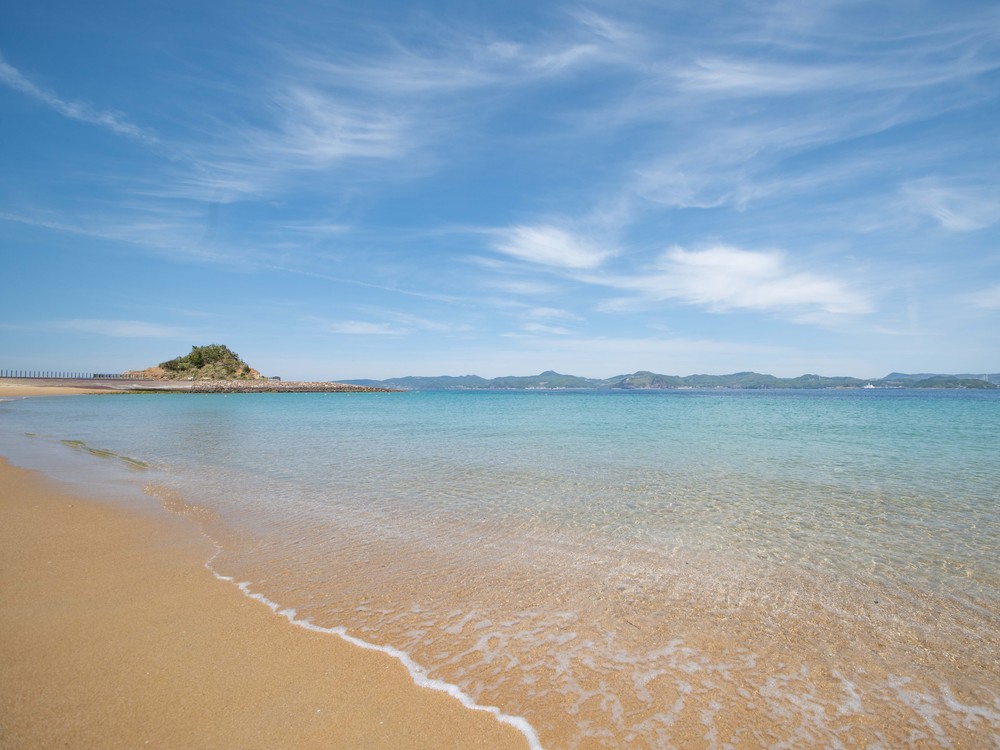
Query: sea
[{"x": 602, "y": 569}]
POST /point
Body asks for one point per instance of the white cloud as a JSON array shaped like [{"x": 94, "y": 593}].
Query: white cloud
[
  {"x": 550, "y": 246},
  {"x": 988, "y": 299},
  {"x": 316, "y": 108},
  {"x": 136, "y": 329},
  {"x": 553, "y": 312},
  {"x": 737, "y": 160},
  {"x": 545, "y": 329},
  {"x": 311, "y": 131},
  {"x": 316, "y": 228},
  {"x": 409, "y": 322},
  {"x": 362, "y": 328},
  {"x": 725, "y": 278},
  {"x": 318, "y": 127},
  {"x": 741, "y": 114},
  {"x": 525, "y": 287},
  {"x": 564, "y": 59},
  {"x": 957, "y": 208},
  {"x": 176, "y": 234},
  {"x": 920, "y": 68},
  {"x": 739, "y": 77},
  {"x": 460, "y": 61},
  {"x": 113, "y": 121}
]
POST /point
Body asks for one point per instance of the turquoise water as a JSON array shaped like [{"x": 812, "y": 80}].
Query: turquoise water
[{"x": 641, "y": 569}]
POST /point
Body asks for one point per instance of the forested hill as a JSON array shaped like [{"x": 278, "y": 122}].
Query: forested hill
[
  {"x": 649, "y": 380},
  {"x": 212, "y": 362}
]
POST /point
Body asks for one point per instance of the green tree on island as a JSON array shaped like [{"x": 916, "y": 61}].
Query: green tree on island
[{"x": 213, "y": 362}]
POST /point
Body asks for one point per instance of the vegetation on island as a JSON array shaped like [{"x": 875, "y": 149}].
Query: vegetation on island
[{"x": 212, "y": 362}]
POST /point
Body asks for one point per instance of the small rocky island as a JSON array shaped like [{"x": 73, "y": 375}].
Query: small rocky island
[{"x": 217, "y": 369}]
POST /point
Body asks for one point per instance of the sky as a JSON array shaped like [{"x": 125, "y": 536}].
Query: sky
[{"x": 457, "y": 187}]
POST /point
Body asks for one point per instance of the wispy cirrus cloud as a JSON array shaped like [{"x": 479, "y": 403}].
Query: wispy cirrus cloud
[
  {"x": 402, "y": 105},
  {"x": 315, "y": 228},
  {"x": 116, "y": 122},
  {"x": 956, "y": 207},
  {"x": 541, "y": 322},
  {"x": 544, "y": 328},
  {"x": 316, "y": 129},
  {"x": 545, "y": 313},
  {"x": 526, "y": 287},
  {"x": 914, "y": 69},
  {"x": 306, "y": 131},
  {"x": 130, "y": 329},
  {"x": 178, "y": 234},
  {"x": 392, "y": 323},
  {"x": 365, "y": 328},
  {"x": 411, "y": 322},
  {"x": 743, "y": 114},
  {"x": 986, "y": 299},
  {"x": 548, "y": 245},
  {"x": 463, "y": 60}
]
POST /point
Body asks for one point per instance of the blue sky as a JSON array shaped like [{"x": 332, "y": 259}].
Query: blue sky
[{"x": 502, "y": 188}]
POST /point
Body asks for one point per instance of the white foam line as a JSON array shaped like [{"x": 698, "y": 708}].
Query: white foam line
[{"x": 417, "y": 672}]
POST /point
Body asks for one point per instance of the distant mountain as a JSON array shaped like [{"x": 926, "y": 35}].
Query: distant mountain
[
  {"x": 417, "y": 383},
  {"x": 645, "y": 380},
  {"x": 547, "y": 379},
  {"x": 929, "y": 378}
]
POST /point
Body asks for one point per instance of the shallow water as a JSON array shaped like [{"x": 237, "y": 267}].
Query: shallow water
[{"x": 642, "y": 569}]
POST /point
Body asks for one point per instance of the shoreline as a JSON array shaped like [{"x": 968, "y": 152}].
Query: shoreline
[
  {"x": 22, "y": 387},
  {"x": 115, "y": 633},
  {"x": 599, "y": 638}
]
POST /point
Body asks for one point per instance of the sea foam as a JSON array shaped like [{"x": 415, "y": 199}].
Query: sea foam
[{"x": 417, "y": 672}]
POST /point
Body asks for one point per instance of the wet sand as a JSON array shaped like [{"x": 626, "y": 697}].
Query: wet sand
[
  {"x": 17, "y": 389},
  {"x": 114, "y": 634}
]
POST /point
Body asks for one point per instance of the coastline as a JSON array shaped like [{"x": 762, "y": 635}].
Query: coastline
[
  {"x": 114, "y": 633},
  {"x": 600, "y": 636},
  {"x": 21, "y": 387},
  {"x": 12, "y": 388}
]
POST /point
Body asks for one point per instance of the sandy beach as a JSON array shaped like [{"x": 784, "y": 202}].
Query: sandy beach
[
  {"x": 113, "y": 633},
  {"x": 19, "y": 389}
]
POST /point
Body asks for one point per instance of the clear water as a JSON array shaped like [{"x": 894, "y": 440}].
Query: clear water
[{"x": 641, "y": 569}]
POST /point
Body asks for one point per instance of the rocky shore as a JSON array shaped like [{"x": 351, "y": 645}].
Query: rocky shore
[
  {"x": 275, "y": 386},
  {"x": 193, "y": 386}
]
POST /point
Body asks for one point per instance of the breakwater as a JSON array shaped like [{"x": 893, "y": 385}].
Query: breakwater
[{"x": 135, "y": 385}]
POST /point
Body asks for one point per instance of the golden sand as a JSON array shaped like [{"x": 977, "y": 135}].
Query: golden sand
[
  {"x": 18, "y": 390},
  {"x": 114, "y": 634}
]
